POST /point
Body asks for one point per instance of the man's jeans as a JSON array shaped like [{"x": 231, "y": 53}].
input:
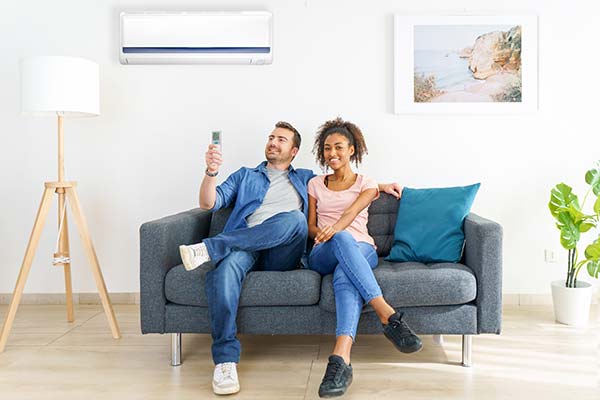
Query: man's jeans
[
  {"x": 352, "y": 264},
  {"x": 275, "y": 245}
]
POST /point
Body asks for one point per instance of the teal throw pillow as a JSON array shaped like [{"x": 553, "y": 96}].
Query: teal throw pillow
[{"x": 429, "y": 226}]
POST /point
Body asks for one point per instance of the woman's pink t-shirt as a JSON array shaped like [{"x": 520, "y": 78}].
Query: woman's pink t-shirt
[{"x": 332, "y": 204}]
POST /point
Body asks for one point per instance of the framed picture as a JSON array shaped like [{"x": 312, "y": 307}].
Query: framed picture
[{"x": 465, "y": 64}]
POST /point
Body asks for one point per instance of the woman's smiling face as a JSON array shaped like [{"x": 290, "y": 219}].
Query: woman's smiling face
[{"x": 337, "y": 151}]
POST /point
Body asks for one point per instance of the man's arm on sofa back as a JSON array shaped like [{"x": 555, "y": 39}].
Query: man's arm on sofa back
[
  {"x": 159, "y": 252},
  {"x": 483, "y": 254}
]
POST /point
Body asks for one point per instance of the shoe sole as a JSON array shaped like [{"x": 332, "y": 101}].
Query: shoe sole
[
  {"x": 337, "y": 393},
  {"x": 223, "y": 391},
  {"x": 412, "y": 350},
  {"x": 332, "y": 394},
  {"x": 405, "y": 350},
  {"x": 187, "y": 263}
]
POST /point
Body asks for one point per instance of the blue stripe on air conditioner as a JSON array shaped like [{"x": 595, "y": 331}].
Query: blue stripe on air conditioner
[{"x": 201, "y": 50}]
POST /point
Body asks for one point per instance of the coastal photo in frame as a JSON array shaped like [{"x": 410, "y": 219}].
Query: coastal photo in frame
[{"x": 465, "y": 64}]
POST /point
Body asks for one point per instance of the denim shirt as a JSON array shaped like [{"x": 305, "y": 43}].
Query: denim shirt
[{"x": 246, "y": 188}]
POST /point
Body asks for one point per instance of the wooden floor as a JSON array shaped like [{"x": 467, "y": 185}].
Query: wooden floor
[{"x": 534, "y": 358}]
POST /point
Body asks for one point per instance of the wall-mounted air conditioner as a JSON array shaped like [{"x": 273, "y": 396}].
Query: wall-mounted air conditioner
[{"x": 196, "y": 38}]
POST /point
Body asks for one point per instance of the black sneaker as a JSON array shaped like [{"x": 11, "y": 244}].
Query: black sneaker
[
  {"x": 401, "y": 336},
  {"x": 338, "y": 376}
]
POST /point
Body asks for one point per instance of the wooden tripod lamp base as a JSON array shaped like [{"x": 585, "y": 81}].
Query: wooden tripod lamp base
[{"x": 64, "y": 189}]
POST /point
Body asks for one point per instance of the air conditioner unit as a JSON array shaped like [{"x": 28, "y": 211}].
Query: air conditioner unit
[{"x": 196, "y": 38}]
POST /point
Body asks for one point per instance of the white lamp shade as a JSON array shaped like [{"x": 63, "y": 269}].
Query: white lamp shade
[{"x": 66, "y": 86}]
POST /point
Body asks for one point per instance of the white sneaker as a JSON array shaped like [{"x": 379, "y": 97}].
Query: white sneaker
[
  {"x": 225, "y": 379},
  {"x": 193, "y": 255}
]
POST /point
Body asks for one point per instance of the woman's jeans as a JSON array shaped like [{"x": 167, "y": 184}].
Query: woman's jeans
[{"x": 352, "y": 265}]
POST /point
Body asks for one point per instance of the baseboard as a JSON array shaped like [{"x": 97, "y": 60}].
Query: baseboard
[
  {"x": 78, "y": 298},
  {"x": 517, "y": 299}
]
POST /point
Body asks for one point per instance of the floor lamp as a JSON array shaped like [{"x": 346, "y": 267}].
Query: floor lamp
[{"x": 62, "y": 87}]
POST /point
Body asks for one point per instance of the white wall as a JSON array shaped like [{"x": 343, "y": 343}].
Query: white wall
[{"x": 143, "y": 157}]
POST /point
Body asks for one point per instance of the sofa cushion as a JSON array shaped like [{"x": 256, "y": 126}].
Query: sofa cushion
[
  {"x": 218, "y": 220},
  {"x": 415, "y": 284},
  {"x": 299, "y": 287},
  {"x": 429, "y": 227},
  {"x": 382, "y": 219}
]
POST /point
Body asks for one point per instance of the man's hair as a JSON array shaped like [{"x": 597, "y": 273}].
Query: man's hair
[{"x": 286, "y": 125}]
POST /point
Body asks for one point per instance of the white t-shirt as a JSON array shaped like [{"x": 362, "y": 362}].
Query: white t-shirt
[{"x": 280, "y": 197}]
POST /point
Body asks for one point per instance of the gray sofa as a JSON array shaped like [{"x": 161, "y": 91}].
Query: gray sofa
[{"x": 437, "y": 299}]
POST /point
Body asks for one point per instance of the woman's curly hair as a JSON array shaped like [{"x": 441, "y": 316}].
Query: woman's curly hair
[{"x": 345, "y": 128}]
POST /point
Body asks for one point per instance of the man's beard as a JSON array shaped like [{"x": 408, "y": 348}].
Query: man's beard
[{"x": 276, "y": 156}]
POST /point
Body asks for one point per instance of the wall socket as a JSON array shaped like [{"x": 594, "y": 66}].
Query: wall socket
[{"x": 550, "y": 256}]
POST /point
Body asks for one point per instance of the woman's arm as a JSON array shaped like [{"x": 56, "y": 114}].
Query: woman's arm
[
  {"x": 312, "y": 217},
  {"x": 364, "y": 199},
  {"x": 391, "y": 188}
]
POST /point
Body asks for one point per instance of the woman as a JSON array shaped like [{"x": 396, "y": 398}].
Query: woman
[{"x": 337, "y": 221}]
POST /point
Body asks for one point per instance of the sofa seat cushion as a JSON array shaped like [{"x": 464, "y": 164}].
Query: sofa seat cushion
[
  {"x": 413, "y": 284},
  {"x": 299, "y": 287}
]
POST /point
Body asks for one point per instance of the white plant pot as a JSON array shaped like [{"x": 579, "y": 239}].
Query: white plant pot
[{"x": 572, "y": 305}]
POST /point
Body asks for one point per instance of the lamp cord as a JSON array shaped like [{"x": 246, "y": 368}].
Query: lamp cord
[{"x": 61, "y": 259}]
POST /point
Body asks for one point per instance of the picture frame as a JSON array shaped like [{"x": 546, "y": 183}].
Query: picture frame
[{"x": 465, "y": 64}]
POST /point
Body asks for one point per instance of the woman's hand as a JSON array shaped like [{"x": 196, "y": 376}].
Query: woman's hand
[
  {"x": 392, "y": 188},
  {"x": 325, "y": 234}
]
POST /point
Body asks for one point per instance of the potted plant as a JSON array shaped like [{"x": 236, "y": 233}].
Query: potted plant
[{"x": 572, "y": 297}]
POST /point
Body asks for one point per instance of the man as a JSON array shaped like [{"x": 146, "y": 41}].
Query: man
[{"x": 267, "y": 229}]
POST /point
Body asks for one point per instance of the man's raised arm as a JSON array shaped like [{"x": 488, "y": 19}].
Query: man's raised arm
[{"x": 208, "y": 188}]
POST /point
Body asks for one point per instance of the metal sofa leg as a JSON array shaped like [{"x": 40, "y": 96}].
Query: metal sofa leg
[
  {"x": 175, "y": 349},
  {"x": 438, "y": 339},
  {"x": 467, "y": 341}
]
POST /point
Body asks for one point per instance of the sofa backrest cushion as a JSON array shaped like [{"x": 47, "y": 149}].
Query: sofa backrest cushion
[
  {"x": 382, "y": 219},
  {"x": 217, "y": 223}
]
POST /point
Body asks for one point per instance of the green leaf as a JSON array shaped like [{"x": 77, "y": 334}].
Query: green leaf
[
  {"x": 593, "y": 268},
  {"x": 597, "y": 206},
  {"x": 584, "y": 227},
  {"x": 592, "y": 252},
  {"x": 575, "y": 212},
  {"x": 561, "y": 199},
  {"x": 592, "y": 178},
  {"x": 569, "y": 233}
]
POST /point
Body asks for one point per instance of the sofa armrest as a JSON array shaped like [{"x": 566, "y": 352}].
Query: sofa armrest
[
  {"x": 483, "y": 254},
  {"x": 159, "y": 252}
]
